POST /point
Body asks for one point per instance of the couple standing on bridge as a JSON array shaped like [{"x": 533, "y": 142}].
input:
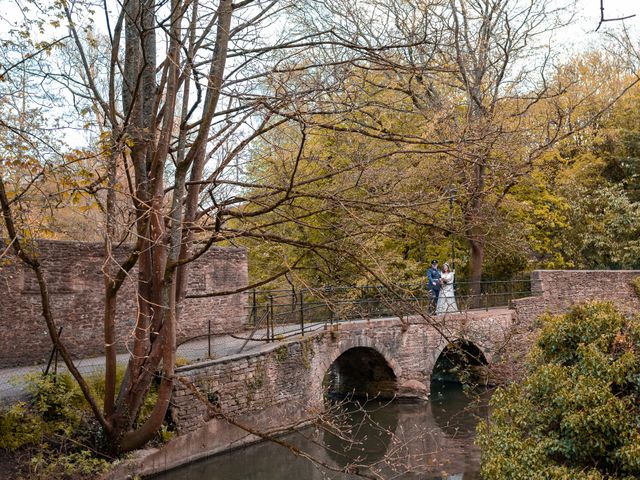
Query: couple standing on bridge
[{"x": 440, "y": 286}]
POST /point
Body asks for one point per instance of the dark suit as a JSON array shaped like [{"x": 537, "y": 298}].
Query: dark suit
[{"x": 433, "y": 277}]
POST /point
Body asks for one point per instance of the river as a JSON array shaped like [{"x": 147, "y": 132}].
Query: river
[{"x": 408, "y": 440}]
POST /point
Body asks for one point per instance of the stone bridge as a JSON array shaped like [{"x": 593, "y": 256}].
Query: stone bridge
[
  {"x": 383, "y": 357},
  {"x": 283, "y": 384}
]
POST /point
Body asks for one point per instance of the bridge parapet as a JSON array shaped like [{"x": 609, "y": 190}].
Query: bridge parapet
[{"x": 555, "y": 291}]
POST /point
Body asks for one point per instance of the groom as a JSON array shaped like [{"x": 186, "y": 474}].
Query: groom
[{"x": 433, "y": 277}]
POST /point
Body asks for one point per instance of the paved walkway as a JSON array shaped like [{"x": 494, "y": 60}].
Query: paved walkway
[{"x": 13, "y": 381}]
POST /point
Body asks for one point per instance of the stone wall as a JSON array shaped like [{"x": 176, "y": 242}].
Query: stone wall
[
  {"x": 555, "y": 291},
  {"x": 243, "y": 384},
  {"x": 76, "y": 285},
  {"x": 291, "y": 373}
]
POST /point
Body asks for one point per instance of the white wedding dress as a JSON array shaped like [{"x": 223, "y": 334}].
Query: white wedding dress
[{"x": 447, "y": 299}]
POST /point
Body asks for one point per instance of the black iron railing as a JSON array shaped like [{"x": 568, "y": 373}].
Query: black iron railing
[
  {"x": 339, "y": 304},
  {"x": 279, "y": 314}
]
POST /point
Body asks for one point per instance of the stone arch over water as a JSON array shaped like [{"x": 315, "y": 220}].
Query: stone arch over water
[
  {"x": 361, "y": 372},
  {"x": 456, "y": 358},
  {"x": 355, "y": 365}
]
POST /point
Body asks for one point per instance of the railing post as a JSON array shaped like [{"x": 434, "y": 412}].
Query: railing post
[
  {"x": 254, "y": 308},
  {"x": 55, "y": 366},
  {"x": 54, "y": 353},
  {"x": 330, "y": 298},
  {"x": 270, "y": 320},
  {"x": 509, "y": 303},
  {"x": 302, "y": 312},
  {"x": 365, "y": 301}
]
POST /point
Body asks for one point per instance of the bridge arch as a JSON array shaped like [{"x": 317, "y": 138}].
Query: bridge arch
[
  {"x": 359, "y": 366},
  {"x": 455, "y": 357},
  {"x": 361, "y": 372}
]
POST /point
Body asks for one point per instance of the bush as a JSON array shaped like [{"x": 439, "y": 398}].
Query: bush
[
  {"x": 19, "y": 427},
  {"x": 576, "y": 415},
  {"x": 56, "y": 430},
  {"x": 75, "y": 465},
  {"x": 635, "y": 283},
  {"x": 55, "y": 409}
]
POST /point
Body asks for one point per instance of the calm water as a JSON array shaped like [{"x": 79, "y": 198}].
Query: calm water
[{"x": 427, "y": 441}]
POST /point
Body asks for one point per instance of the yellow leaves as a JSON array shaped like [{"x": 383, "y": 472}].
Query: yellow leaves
[
  {"x": 586, "y": 170},
  {"x": 86, "y": 174},
  {"x": 22, "y": 165},
  {"x": 77, "y": 155},
  {"x": 76, "y": 197}
]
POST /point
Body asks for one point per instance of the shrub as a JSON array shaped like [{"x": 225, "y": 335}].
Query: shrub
[
  {"x": 55, "y": 428},
  {"x": 576, "y": 415},
  {"x": 55, "y": 409},
  {"x": 19, "y": 427},
  {"x": 75, "y": 465}
]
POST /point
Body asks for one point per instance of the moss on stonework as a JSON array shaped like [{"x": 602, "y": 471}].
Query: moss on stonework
[
  {"x": 307, "y": 352},
  {"x": 635, "y": 283},
  {"x": 281, "y": 353},
  {"x": 256, "y": 382},
  {"x": 334, "y": 334},
  {"x": 182, "y": 361}
]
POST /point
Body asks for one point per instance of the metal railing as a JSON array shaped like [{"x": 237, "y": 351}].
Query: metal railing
[
  {"x": 309, "y": 306},
  {"x": 274, "y": 315}
]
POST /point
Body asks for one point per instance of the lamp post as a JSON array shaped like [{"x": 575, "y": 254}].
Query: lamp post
[{"x": 452, "y": 194}]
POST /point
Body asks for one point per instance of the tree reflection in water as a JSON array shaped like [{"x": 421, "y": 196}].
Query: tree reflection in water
[
  {"x": 456, "y": 410},
  {"x": 427, "y": 441},
  {"x": 364, "y": 432}
]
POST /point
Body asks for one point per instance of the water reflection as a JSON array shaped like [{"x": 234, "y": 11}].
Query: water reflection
[
  {"x": 428, "y": 441},
  {"x": 369, "y": 427},
  {"x": 455, "y": 410}
]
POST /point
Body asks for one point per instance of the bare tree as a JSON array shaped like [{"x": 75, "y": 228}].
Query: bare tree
[
  {"x": 173, "y": 94},
  {"x": 178, "y": 90}
]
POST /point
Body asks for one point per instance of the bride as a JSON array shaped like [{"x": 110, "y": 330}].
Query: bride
[{"x": 446, "y": 299}]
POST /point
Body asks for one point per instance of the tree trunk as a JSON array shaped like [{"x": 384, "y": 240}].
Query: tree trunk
[{"x": 476, "y": 245}]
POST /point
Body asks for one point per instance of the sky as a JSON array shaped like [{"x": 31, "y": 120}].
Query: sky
[
  {"x": 579, "y": 36},
  {"x": 590, "y": 12}
]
